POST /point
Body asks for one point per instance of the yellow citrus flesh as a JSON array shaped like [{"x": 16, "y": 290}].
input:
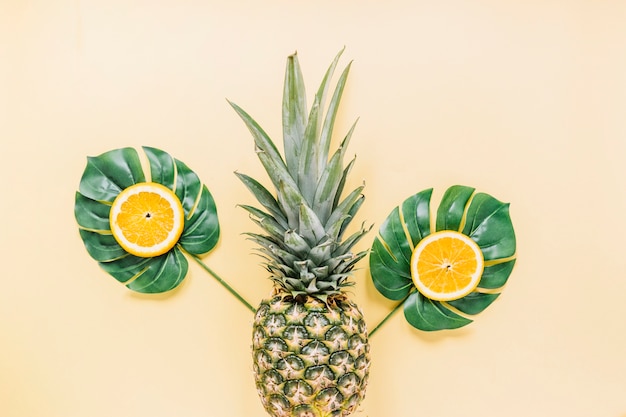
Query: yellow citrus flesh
[
  {"x": 147, "y": 219},
  {"x": 446, "y": 265}
]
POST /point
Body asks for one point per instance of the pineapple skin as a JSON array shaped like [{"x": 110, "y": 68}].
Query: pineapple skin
[{"x": 310, "y": 358}]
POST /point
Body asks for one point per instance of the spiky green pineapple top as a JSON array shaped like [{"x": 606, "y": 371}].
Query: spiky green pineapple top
[{"x": 303, "y": 241}]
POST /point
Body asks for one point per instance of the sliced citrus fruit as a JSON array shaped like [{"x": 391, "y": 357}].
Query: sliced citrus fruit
[
  {"x": 446, "y": 265},
  {"x": 147, "y": 219}
]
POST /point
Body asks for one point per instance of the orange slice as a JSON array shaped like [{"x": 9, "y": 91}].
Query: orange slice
[
  {"x": 446, "y": 265},
  {"x": 147, "y": 219}
]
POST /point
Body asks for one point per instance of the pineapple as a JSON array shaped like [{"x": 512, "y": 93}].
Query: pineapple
[{"x": 310, "y": 346}]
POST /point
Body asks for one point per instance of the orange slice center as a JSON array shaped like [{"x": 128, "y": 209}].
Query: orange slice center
[
  {"x": 147, "y": 219},
  {"x": 446, "y": 265}
]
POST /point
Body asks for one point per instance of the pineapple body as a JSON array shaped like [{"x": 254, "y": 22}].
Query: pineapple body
[
  {"x": 310, "y": 347},
  {"x": 310, "y": 358}
]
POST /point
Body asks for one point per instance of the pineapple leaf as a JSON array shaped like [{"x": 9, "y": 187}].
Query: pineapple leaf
[
  {"x": 261, "y": 139},
  {"x": 312, "y": 153},
  {"x": 304, "y": 221},
  {"x": 302, "y": 267},
  {"x": 342, "y": 213},
  {"x": 310, "y": 226},
  {"x": 329, "y": 120},
  {"x": 351, "y": 213},
  {"x": 265, "y": 221},
  {"x": 276, "y": 257},
  {"x": 290, "y": 200},
  {"x": 326, "y": 189},
  {"x": 262, "y": 240},
  {"x": 276, "y": 170},
  {"x": 293, "y": 284},
  {"x": 296, "y": 244},
  {"x": 307, "y": 169},
  {"x": 264, "y": 197},
  {"x": 320, "y": 272},
  {"x": 273, "y": 164},
  {"x": 333, "y": 263},
  {"x": 294, "y": 114},
  {"x": 286, "y": 258},
  {"x": 346, "y": 267},
  {"x": 342, "y": 182},
  {"x": 332, "y": 230},
  {"x": 329, "y": 287},
  {"x": 330, "y": 181},
  {"x": 312, "y": 288},
  {"x": 283, "y": 270},
  {"x": 321, "y": 252},
  {"x": 348, "y": 243},
  {"x": 255, "y": 212}
]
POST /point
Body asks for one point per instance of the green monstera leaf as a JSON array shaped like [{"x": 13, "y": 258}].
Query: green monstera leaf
[
  {"x": 479, "y": 216},
  {"x": 105, "y": 177}
]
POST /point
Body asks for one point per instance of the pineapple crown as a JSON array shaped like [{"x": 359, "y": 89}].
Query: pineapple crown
[{"x": 302, "y": 243}]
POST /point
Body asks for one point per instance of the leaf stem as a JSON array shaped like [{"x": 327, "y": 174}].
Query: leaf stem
[
  {"x": 253, "y": 310},
  {"x": 224, "y": 283},
  {"x": 379, "y": 325}
]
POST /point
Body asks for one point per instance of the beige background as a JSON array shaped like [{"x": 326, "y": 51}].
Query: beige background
[{"x": 525, "y": 100}]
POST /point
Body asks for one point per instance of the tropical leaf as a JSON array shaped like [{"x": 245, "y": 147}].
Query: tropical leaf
[
  {"x": 393, "y": 234},
  {"x": 202, "y": 228},
  {"x": 391, "y": 251},
  {"x": 495, "y": 276},
  {"x": 474, "y": 303},
  {"x": 452, "y": 207},
  {"x": 188, "y": 188},
  {"x": 101, "y": 247},
  {"x": 489, "y": 224},
  {"x": 391, "y": 278},
  {"x": 162, "y": 167},
  {"x": 416, "y": 216},
  {"x": 479, "y": 216},
  {"x": 105, "y": 176},
  {"x": 428, "y": 315},
  {"x": 91, "y": 214},
  {"x": 126, "y": 268},
  {"x": 161, "y": 274}
]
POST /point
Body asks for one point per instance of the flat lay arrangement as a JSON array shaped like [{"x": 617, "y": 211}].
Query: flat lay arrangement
[{"x": 140, "y": 213}]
